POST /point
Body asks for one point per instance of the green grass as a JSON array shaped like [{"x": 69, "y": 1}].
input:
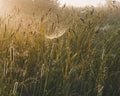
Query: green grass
[{"x": 82, "y": 62}]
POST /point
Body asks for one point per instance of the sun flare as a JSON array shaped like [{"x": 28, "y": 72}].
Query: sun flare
[
  {"x": 2, "y": 7},
  {"x": 0, "y": 4}
]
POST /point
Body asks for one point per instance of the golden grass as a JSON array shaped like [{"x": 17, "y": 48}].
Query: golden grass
[{"x": 82, "y": 61}]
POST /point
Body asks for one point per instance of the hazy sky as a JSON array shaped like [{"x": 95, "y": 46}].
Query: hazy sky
[{"x": 82, "y": 2}]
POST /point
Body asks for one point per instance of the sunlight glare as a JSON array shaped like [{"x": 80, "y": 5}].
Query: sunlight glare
[
  {"x": 82, "y": 3},
  {"x": 2, "y": 7},
  {"x": 1, "y": 4}
]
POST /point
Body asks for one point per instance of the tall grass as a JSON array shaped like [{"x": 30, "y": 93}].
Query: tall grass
[{"x": 84, "y": 61}]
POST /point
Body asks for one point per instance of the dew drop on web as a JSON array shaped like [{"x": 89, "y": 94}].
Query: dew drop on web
[{"x": 56, "y": 34}]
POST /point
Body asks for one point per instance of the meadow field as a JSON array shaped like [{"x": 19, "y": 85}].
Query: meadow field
[{"x": 62, "y": 51}]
